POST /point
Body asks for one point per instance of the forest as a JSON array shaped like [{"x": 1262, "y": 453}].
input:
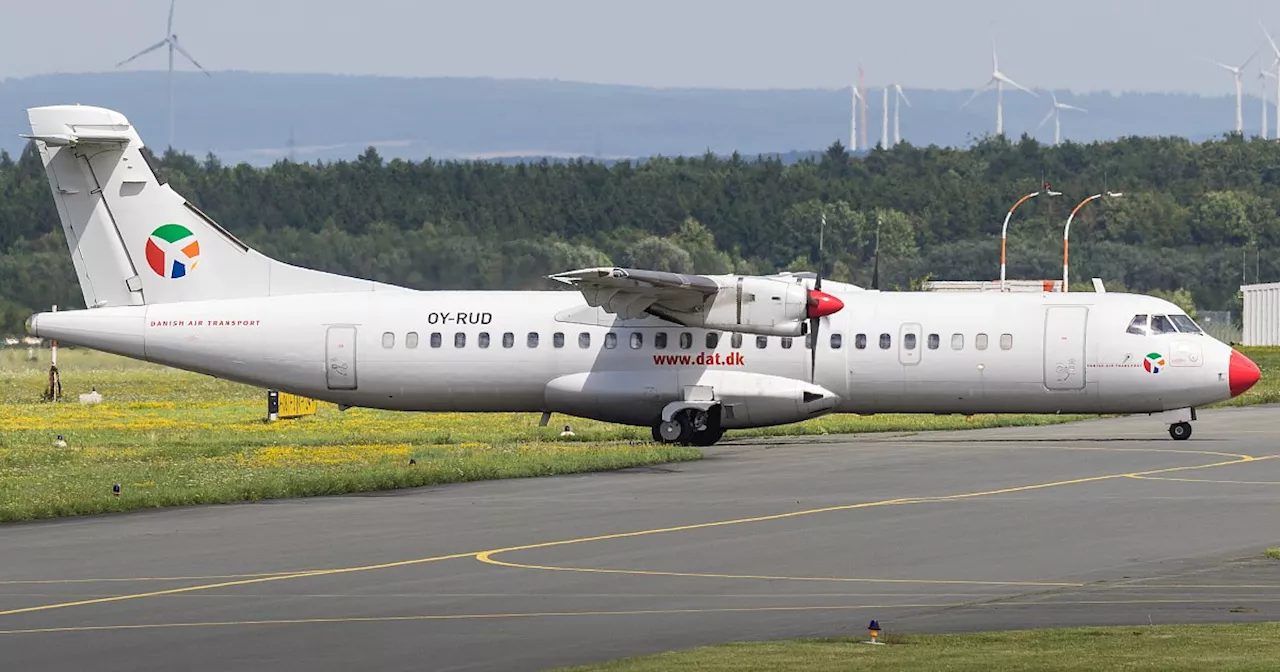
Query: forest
[{"x": 1196, "y": 219}]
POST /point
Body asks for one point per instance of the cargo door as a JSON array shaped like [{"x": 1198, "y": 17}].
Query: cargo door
[
  {"x": 340, "y": 358},
  {"x": 1064, "y": 342}
]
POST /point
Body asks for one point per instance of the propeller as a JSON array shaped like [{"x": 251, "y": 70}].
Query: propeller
[{"x": 819, "y": 305}]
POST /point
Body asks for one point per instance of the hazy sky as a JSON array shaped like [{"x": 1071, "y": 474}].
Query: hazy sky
[{"x": 1083, "y": 45}]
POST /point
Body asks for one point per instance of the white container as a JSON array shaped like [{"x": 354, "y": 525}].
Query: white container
[{"x": 1261, "y": 314}]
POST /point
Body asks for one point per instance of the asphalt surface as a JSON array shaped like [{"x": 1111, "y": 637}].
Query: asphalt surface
[{"x": 1100, "y": 522}]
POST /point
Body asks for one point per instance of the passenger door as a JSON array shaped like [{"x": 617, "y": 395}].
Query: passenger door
[
  {"x": 340, "y": 358},
  {"x": 1064, "y": 347}
]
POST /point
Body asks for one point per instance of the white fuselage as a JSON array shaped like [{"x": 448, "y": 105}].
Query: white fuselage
[{"x": 915, "y": 352}]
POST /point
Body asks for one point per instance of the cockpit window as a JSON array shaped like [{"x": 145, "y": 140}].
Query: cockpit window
[
  {"x": 1161, "y": 324},
  {"x": 1138, "y": 325},
  {"x": 1185, "y": 324}
]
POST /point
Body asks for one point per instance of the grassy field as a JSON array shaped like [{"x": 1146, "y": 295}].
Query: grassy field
[
  {"x": 172, "y": 438},
  {"x": 1172, "y": 648}
]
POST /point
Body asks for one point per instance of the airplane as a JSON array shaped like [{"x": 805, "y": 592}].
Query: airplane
[{"x": 689, "y": 356}]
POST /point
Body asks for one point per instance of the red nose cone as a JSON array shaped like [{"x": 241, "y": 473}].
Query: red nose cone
[
  {"x": 1242, "y": 375},
  {"x": 822, "y": 304}
]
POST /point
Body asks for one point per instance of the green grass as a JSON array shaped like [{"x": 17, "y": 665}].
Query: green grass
[
  {"x": 1173, "y": 648},
  {"x": 174, "y": 438},
  {"x": 1274, "y": 552}
]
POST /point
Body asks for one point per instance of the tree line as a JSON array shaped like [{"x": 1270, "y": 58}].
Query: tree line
[{"x": 1196, "y": 219}]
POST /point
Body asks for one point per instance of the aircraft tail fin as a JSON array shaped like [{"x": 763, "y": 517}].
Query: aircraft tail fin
[{"x": 133, "y": 239}]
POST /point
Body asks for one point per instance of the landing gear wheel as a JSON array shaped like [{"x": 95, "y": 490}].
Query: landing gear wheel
[
  {"x": 676, "y": 430},
  {"x": 706, "y": 438},
  {"x": 1180, "y": 431}
]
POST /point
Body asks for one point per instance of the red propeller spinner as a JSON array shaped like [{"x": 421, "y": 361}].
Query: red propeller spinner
[{"x": 822, "y": 304}]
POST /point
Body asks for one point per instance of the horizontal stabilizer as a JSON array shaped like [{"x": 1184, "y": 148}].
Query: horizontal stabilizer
[{"x": 85, "y": 138}]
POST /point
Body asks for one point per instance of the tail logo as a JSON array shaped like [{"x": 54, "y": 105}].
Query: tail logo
[{"x": 172, "y": 251}]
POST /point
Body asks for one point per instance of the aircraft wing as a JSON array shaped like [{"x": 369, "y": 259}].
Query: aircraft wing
[{"x": 630, "y": 293}]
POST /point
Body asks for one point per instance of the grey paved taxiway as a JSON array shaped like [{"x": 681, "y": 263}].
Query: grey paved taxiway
[{"x": 1107, "y": 521}]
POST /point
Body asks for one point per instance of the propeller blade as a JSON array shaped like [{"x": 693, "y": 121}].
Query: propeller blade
[
  {"x": 1269, "y": 40},
  {"x": 902, "y": 94},
  {"x": 822, "y": 228},
  {"x": 148, "y": 50},
  {"x": 189, "y": 57},
  {"x": 1064, "y": 106},
  {"x": 978, "y": 92},
  {"x": 1248, "y": 60},
  {"x": 170, "y": 28},
  {"x": 1046, "y": 119},
  {"x": 1004, "y": 78},
  {"x": 813, "y": 349}
]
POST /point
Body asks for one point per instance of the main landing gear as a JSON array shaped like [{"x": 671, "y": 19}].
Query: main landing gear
[{"x": 690, "y": 427}]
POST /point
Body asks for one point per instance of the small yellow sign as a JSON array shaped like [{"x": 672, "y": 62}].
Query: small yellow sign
[
  {"x": 293, "y": 406},
  {"x": 282, "y": 405}
]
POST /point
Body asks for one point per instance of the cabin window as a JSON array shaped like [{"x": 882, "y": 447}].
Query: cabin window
[
  {"x": 610, "y": 340},
  {"x": 1006, "y": 341},
  {"x": 735, "y": 341},
  {"x": 436, "y": 339},
  {"x": 836, "y": 341},
  {"x": 909, "y": 341},
  {"x": 637, "y": 340},
  {"x": 411, "y": 339},
  {"x": 1138, "y": 325},
  {"x": 762, "y": 342},
  {"x": 557, "y": 339},
  {"x": 584, "y": 340},
  {"x": 1161, "y": 325},
  {"x": 660, "y": 340},
  {"x": 934, "y": 341},
  {"x": 686, "y": 340},
  {"x": 885, "y": 341},
  {"x": 1185, "y": 324},
  {"x": 388, "y": 339},
  {"x": 532, "y": 340},
  {"x": 786, "y": 342},
  {"x": 508, "y": 340},
  {"x": 980, "y": 342},
  {"x": 957, "y": 341},
  {"x": 483, "y": 340},
  {"x": 713, "y": 339},
  {"x": 860, "y": 341},
  {"x": 459, "y": 340}
]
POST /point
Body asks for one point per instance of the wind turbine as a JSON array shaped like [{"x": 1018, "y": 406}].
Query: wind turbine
[
  {"x": 1275, "y": 65},
  {"x": 1263, "y": 75},
  {"x": 853, "y": 120},
  {"x": 884, "y": 121},
  {"x": 170, "y": 39},
  {"x": 1054, "y": 114},
  {"x": 998, "y": 80},
  {"x": 1237, "y": 72},
  {"x": 898, "y": 98}
]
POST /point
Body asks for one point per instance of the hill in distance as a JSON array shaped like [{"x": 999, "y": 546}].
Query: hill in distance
[{"x": 260, "y": 118}]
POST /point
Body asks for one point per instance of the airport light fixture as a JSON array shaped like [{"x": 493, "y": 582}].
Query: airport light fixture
[
  {"x": 1004, "y": 230},
  {"x": 1066, "y": 231}
]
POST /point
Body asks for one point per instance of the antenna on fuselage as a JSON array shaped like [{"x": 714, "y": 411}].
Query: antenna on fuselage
[{"x": 875, "y": 256}]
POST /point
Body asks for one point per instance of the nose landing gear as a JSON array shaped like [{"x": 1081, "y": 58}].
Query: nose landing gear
[{"x": 1180, "y": 431}]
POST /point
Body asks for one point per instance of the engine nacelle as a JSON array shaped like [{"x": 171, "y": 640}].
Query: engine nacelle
[{"x": 758, "y": 305}]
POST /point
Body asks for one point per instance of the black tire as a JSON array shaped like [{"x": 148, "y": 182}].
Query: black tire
[
  {"x": 657, "y": 432},
  {"x": 706, "y": 438},
  {"x": 1180, "y": 431}
]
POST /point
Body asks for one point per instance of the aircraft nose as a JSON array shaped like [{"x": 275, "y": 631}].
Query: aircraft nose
[{"x": 1242, "y": 374}]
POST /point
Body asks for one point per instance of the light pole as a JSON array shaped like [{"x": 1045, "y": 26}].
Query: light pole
[
  {"x": 1004, "y": 230},
  {"x": 1066, "y": 231}
]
